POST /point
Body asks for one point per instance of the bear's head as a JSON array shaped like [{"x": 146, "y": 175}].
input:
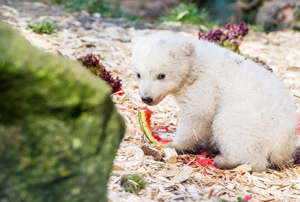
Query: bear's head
[{"x": 162, "y": 64}]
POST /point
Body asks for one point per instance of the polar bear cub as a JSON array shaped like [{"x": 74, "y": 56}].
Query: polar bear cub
[{"x": 238, "y": 106}]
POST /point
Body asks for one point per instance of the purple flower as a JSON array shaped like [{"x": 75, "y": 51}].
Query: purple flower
[
  {"x": 230, "y": 36},
  {"x": 91, "y": 62},
  {"x": 215, "y": 35}
]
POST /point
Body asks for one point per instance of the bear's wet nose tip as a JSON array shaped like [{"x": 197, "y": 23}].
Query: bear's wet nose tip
[{"x": 147, "y": 100}]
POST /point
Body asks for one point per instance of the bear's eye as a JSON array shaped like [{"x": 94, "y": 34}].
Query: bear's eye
[
  {"x": 138, "y": 75},
  {"x": 161, "y": 76}
]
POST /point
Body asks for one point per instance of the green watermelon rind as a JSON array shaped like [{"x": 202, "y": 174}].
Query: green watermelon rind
[{"x": 146, "y": 127}]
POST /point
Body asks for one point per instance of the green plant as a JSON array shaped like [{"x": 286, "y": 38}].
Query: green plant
[
  {"x": 188, "y": 13},
  {"x": 44, "y": 27},
  {"x": 257, "y": 28},
  {"x": 105, "y": 7},
  {"x": 58, "y": 1},
  {"x": 133, "y": 183},
  {"x": 293, "y": 186},
  {"x": 102, "y": 6},
  {"x": 297, "y": 18}
]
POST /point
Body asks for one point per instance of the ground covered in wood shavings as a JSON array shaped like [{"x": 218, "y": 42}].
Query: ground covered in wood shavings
[{"x": 82, "y": 33}]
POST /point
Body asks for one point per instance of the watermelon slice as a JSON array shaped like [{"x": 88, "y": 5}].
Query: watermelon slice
[{"x": 145, "y": 123}]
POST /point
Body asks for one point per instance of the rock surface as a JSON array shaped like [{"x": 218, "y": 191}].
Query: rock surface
[{"x": 59, "y": 129}]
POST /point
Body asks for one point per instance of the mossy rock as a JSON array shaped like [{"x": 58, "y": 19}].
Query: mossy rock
[{"x": 59, "y": 130}]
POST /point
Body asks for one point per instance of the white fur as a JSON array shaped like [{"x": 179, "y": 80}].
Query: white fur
[{"x": 238, "y": 105}]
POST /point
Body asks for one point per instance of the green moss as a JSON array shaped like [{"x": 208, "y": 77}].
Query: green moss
[
  {"x": 133, "y": 183},
  {"x": 59, "y": 130}
]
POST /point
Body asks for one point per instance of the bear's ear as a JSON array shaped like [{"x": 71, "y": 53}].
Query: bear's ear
[
  {"x": 187, "y": 48},
  {"x": 135, "y": 39}
]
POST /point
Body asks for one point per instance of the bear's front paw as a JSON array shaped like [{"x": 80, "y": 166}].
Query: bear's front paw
[
  {"x": 169, "y": 145},
  {"x": 178, "y": 149}
]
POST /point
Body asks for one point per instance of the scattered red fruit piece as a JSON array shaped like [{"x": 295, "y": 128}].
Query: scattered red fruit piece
[
  {"x": 202, "y": 162},
  {"x": 205, "y": 162},
  {"x": 247, "y": 198},
  {"x": 120, "y": 92},
  {"x": 202, "y": 153},
  {"x": 199, "y": 160}
]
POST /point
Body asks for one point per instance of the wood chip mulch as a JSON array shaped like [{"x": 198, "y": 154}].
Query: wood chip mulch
[{"x": 82, "y": 33}]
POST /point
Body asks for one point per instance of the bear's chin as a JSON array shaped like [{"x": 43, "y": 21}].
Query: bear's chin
[{"x": 155, "y": 102}]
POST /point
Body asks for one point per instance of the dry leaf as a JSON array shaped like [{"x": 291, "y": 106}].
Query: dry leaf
[{"x": 151, "y": 152}]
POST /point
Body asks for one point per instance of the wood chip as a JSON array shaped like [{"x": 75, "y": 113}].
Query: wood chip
[
  {"x": 171, "y": 155},
  {"x": 183, "y": 174},
  {"x": 117, "y": 168},
  {"x": 243, "y": 168}
]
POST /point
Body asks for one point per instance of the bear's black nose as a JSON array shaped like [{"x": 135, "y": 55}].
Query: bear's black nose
[{"x": 147, "y": 100}]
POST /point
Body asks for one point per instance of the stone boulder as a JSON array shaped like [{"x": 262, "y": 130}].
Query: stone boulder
[{"x": 59, "y": 129}]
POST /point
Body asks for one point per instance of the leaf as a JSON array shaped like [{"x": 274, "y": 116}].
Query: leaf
[{"x": 151, "y": 152}]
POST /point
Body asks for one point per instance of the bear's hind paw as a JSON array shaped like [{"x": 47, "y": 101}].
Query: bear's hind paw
[{"x": 224, "y": 163}]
